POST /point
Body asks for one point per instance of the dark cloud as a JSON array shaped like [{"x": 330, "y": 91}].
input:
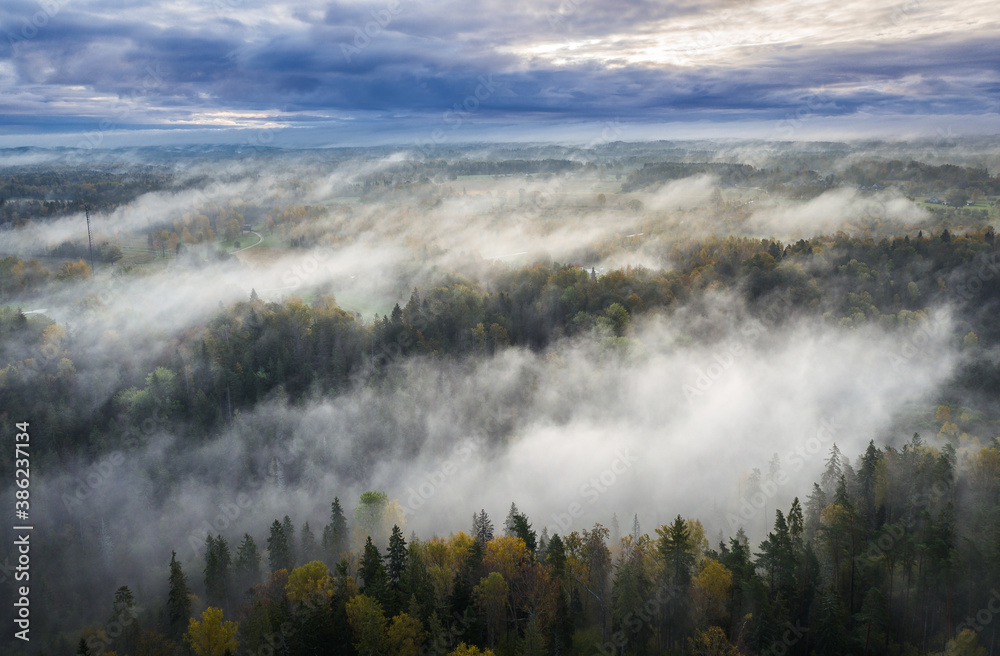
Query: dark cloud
[{"x": 424, "y": 58}]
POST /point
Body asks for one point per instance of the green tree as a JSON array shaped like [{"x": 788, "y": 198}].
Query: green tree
[
  {"x": 247, "y": 565},
  {"x": 676, "y": 550},
  {"x": 308, "y": 550},
  {"x": 289, "y": 530},
  {"x": 124, "y": 617},
  {"x": 178, "y": 599},
  {"x": 278, "y": 555},
  {"x": 396, "y": 557},
  {"x": 335, "y": 533},
  {"x": 217, "y": 560},
  {"x": 368, "y": 625},
  {"x": 372, "y": 571}
]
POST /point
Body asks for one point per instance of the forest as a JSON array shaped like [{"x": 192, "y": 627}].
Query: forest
[{"x": 549, "y": 401}]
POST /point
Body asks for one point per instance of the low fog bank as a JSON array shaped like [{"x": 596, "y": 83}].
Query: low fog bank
[{"x": 669, "y": 421}]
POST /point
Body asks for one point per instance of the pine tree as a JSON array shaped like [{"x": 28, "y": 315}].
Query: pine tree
[
  {"x": 556, "y": 556},
  {"x": 277, "y": 548},
  {"x": 482, "y": 527},
  {"x": 289, "y": 530},
  {"x": 508, "y": 524},
  {"x": 814, "y": 508},
  {"x": 372, "y": 571},
  {"x": 522, "y": 529},
  {"x": 678, "y": 558},
  {"x": 247, "y": 565},
  {"x": 178, "y": 600},
  {"x": 395, "y": 557},
  {"x": 123, "y": 616},
  {"x": 308, "y": 550},
  {"x": 335, "y": 533},
  {"x": 833, "y": 471},
  {"x": 217, "y": 560},
  {"x": 796, "y": 524}
]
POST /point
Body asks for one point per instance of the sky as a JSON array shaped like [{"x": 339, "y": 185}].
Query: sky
[{"x": 274, "y": 73}]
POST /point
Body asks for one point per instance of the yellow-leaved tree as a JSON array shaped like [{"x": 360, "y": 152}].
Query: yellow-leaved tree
[
  {"x": 310, "y": 582},
  {"x": 405, "y": 635},
  {"x": 465, "y": 650},
  {"x": 211, "y": 636},
  {"x": 711, "y": 588}
]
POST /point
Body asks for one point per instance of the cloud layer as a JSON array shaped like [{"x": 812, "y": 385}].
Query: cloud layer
[{"x": 355, "y": 69}]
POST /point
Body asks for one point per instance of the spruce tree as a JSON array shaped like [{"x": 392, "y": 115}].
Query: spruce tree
[
  {"x": 178, "y": 600},
  {"x": 372, "y": 571},
  {"x": 308, "y": 550},
  {"x": 277, "y": 548},
  {"x": 289, "y": 530},
  {"x": 247, "y": 565},
  {"x": 395, "y": 558},
  {"x": 335, "y": 533}
]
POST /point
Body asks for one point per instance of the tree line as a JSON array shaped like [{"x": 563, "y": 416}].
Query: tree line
[{"x": 895, "y": 553}]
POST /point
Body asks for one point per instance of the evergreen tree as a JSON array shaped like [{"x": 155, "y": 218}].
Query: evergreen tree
[
  {"x": 796, "y": 524},
  {"x": 555, "y": 556},
  {"x": 508, "y": 524},
  {"x": 676, "y": 550},
  {"x": 278, "y": 556},
  {"x": 372, "y": 571},
  {"x": 247, "y": 565},
  {"x": 123, "y": 616},
  {"x": 522, "y": 529},
  {"x": 289, "y": 532},
  {"x": 335, "y": 533},
  {"x": 833, "y": 471},
  {"x": 309, "y": 550},
  {"x": 178, "y": 600},
  {"x": 815, "y": 504},
  {"x": 217, "y": 560},
  {"x": 482, "y": 527},
  {"x": 396, "y": 557}
]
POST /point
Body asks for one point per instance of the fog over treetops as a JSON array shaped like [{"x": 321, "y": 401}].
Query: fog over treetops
[{"x": 595, "y": 334}]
